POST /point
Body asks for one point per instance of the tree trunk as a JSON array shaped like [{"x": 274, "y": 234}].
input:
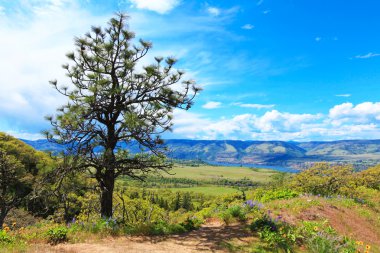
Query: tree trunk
[
  {"x": 106, "y": 198},
  {"x": 3, "y": 214}
]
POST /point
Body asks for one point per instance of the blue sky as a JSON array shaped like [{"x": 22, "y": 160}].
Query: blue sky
[{"x": 271, "y": 70}]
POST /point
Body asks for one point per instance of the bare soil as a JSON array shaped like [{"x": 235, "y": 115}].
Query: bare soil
[
  {"x": 208, "y": 238},
  {"x": 344, "y": 220}
]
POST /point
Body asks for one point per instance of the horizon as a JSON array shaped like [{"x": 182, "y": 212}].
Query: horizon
[
  {"x": 293, "y": 71},
  {"x": 340, "y": 140}
]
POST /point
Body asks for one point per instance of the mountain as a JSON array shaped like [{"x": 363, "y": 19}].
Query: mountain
[{"x": 362, "y": 153}]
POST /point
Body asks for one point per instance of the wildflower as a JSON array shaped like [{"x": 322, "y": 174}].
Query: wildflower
[
  {"x": 14, "y": 224},
  {"x": 368, "y": 247},
  {"x": 357, "y": 243},
  {"x": 284, "y": 235},
  {"x": 7, "y": 229},
  {"x": 361, "y": 243},
  {"x": 316, "y": 228},
  {"x": 5, "y": 225}
]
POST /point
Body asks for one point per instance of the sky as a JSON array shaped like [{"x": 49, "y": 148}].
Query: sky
[{"x": 289, "y": 70}]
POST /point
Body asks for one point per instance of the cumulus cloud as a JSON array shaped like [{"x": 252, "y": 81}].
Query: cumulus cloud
[
  {"x": 38, "y": 35},
  {"x": 212, "y": 105},
  {"x": 366, "y": 112},
  {"x": 366, "y": 56},
  {"x": 159, "y": 6},
  {"x": 344, "y": 121}
]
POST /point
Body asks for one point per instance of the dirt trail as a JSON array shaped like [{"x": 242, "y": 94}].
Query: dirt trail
[{"x": 206, "y": 239}]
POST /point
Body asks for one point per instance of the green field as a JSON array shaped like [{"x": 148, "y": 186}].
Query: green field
[
  {"x": 208, "y": 179},
  {"x": 207, "y": 190},
  {"x": 208, "y": 172}
]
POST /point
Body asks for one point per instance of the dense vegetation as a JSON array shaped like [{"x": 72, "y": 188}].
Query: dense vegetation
[{"x": 271, "y": 209}]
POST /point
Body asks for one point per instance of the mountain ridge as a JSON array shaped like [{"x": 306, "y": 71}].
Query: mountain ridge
[{"x": 362, "y": 153}]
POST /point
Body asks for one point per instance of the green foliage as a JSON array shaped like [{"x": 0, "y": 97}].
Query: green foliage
[
  {"x": 163, "y": 228},
  {"x": 191, "y": 223},
  {"x": 320, "y": 237},
  {"x": 238, "y": 212},
  {"x": 226, "y": 217},
  {"x": 22, "y": 172},
  {"x": 57, "y": 235},
  {"x": 265, "y": 195},
  {"x": 5, "y": 238},
  {"x": 113, "y": 102},
  {"x": 323, "y": 179},
  {"x": 277, "y": 234},
  {"x": 323, "y": 242}
]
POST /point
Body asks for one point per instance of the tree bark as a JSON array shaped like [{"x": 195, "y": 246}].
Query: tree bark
[
  {"x": 106, "y": 198},
  {"x": 3, "y": 214}
]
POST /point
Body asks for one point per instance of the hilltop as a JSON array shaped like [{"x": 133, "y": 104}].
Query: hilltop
[{"x": 361, "y": 153}]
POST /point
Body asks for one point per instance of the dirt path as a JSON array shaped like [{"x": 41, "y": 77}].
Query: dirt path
[{"x": 207, "y": 239}]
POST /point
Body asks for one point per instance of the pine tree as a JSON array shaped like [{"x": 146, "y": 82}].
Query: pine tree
[{"x": 113, "y": 103}]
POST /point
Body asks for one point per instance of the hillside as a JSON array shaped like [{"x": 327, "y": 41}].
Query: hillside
[{"x": 289, "y": 154}]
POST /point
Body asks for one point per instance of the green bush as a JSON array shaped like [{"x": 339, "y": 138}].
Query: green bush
[
  {"x": 278, "y": 235},
  {"x": 266, "y": 195},
  {"x": 5, "y": 238},
  {"x": 191, "y": 223},
  {"x": 323, "y": 242},
  {"x": 237, "y": 212},
  {"x": 226, "y": 217},
  {"x": 57, "y": 235},
  {"x": 163, "y": 228}
]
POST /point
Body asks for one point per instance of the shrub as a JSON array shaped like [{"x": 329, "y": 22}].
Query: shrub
[
  {"x": 5, "y": 238},
  {"x": 226, "y": 217},
  {"x": 163, "y": 228},
  {"x": 265, "y": 195},
  {"x": 57, "y": 235},
  {"x": 278, "y": 235},
  {"x": 191, "y": 223},
  {"x": 237, "y": 212},
  {"x": 323, "y": 242}
]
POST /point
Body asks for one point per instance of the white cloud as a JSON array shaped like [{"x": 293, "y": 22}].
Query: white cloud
[
  {"x": 266, "y": 12},
  {"x": 366, "y": 56},
  {"x": 32, "y": 53},
  {"x": 248, "y": 27},
  {"x": 344, "y": 121},
  {"x": 343, "y": 95},
  {"x": 212, "y": 105},
  {"x": 318, "y": 39},
  {"x": 213, "y": 11},
  {"x": 159, "y": 6},
  {"x": 363, "y": 113}
]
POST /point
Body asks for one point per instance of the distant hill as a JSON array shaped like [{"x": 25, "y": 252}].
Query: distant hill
[{"x": 280, "y": 153}]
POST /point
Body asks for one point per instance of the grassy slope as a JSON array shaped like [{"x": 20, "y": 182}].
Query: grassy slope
[
  {"x": 221, "y": 172},
  {"x": 208, "y": 190}
]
